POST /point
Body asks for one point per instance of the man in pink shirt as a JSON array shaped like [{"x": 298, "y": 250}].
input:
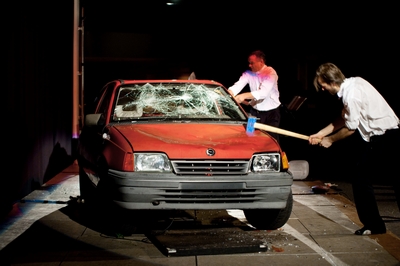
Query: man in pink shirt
[{"x": 263, "y": 97}]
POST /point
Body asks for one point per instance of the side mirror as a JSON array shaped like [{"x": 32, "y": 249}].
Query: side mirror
[{"x": 94, "y": 120}]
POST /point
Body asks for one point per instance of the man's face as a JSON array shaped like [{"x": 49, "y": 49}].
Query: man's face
[
  {"x": 332, "y": 89},
  {"x": 255, "y": 63}
]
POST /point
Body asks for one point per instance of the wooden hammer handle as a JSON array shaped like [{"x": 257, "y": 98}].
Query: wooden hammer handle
[{"x": 280, "y": 131}]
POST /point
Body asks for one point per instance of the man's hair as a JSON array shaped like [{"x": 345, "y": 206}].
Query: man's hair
[
  {"x": 328, "y": 73},
  {"x": 258, "y": 54}
]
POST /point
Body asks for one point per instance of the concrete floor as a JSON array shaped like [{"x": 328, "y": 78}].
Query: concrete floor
[{"x": 51, "y": 227}]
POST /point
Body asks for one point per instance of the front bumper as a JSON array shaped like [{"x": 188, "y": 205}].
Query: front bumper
[{"x": 161, "y": 191}]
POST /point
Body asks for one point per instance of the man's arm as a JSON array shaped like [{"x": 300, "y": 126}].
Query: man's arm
[
  {"x": 241, "y": 98},
  {"x": 332, "y": 127},
  {"x": 326, "y": 141},
  {"x": 239, "y": 85},
  {"x": 342, "y": 133}
]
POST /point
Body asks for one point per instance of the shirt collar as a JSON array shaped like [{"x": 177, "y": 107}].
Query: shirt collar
[
  {"x": 342, "y": 88},
  {"x": 259, "y": 71}
]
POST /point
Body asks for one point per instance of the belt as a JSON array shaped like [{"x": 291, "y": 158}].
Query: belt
[
  {"x": 387, "y": 133},
  {"x": 260, "y": 111},
  {"x": 393, "y": 130}
]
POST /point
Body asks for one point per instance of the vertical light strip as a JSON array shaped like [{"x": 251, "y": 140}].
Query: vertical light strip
[
  {"x": 75, "y": 73},
  {"x": 81, "y": 66}
]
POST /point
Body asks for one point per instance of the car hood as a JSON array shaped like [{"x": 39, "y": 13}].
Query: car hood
[{"x": 192, "y": 140}]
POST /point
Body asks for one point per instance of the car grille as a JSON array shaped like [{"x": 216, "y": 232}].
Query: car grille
[
  {"x": 211, "y": 196},
  {"x": 210, "y": 167}
]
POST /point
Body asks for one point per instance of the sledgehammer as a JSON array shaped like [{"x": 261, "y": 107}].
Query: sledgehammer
[{"x": 251, "y": 125}]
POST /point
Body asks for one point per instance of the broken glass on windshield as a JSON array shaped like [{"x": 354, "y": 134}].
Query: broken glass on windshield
[{"x": 175, "y": 100}]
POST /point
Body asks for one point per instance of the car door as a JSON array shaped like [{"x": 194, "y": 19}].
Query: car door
[{"x": 91, "y": 140}]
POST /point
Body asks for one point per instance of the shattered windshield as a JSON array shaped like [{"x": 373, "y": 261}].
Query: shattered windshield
[{"x": 175, "y": 101}]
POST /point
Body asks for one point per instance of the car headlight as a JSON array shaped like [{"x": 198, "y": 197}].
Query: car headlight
[
  {"x": 266, "y": 162},
  {"x": 152, "y": 162}
]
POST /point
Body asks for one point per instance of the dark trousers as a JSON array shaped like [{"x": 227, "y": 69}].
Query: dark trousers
[
  {"x": 378, "y": 162},
  {"x": 270, "y": 117}
]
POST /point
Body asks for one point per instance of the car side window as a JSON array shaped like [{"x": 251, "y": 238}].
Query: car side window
[
  {"x": 127, "y": 105},
  {"x": 104, "y": 102}
]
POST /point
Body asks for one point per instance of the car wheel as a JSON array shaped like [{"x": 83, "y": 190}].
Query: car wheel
[{"x": 270, "y": 219}]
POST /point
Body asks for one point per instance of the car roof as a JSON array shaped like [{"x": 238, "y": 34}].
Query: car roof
[{"x": 193, "y": 81}]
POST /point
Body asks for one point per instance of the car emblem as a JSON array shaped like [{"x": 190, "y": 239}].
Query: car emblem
[{"x": 210, "y": 152}]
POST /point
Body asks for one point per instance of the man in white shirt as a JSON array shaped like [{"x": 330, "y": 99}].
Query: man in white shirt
[
  {"x": 264, "y": 94},
  {"x": 366, "y": 112}
]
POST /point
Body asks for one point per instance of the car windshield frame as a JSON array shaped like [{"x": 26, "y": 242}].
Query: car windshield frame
[{"x": 175, "y": 101}]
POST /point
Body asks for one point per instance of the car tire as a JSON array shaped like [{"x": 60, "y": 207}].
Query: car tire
[{"x": 270, "y": 219}]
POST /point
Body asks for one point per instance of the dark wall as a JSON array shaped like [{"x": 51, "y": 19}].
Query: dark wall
[
  {"x": 147, "y": 39},
  {"x": 38, "y": 102}
]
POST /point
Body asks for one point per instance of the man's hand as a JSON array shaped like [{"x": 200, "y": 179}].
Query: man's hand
[
  {"x": 319, "y": 139},
  {"x": 326, "y": 142},
  {"x": 315, "y": 139},
  {"x": 243, "y": 97},
  {"x": 239, "y": 98}
]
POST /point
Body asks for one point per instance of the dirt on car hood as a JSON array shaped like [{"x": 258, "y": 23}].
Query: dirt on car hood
[{"x": 193, "y": 140}]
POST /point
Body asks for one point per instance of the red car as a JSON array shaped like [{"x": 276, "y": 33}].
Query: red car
[{"x": 181, "y": 145}]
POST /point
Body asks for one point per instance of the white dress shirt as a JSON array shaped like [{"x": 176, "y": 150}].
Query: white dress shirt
[
  {"x": 263, "y": 86},
  {"x": 365, "y": 109}
]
